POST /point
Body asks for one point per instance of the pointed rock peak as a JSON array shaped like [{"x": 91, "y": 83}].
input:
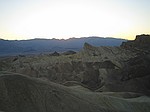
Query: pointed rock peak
[
  {"x": 87, "y": 46},
  {"x": 55, "y": 54}
]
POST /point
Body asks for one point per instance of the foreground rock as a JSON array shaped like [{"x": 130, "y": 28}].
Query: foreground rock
[{"x": 19, "y": 93}]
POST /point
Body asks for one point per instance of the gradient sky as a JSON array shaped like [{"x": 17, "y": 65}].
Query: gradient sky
[{"x": 26, "y": 19}]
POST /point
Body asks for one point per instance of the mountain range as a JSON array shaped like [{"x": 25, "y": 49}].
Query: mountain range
[{"x": 37, "y": 46}]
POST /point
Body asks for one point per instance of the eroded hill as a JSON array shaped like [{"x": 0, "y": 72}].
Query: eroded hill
[
  {"x": 24, "y": 94},
  {"x": 122, "y": 72}
]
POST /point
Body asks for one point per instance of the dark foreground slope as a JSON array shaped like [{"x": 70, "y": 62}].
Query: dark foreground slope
[{"x": 19, "y": 93}]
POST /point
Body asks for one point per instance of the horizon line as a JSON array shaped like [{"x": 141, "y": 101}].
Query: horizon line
[{"x": 44, "y": 38}]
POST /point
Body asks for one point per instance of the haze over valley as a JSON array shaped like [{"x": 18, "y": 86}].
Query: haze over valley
[{"x": 43, "y": 46}]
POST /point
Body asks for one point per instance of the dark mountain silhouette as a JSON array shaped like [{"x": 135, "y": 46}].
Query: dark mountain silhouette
[{"x": 13, "y": 47}]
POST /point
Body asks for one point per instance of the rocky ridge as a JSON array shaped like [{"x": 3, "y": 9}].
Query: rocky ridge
[
  {"x": 141, "y": 42},
  {"x": 96, "y": 68},
  {"x": 100, "y": 78}
]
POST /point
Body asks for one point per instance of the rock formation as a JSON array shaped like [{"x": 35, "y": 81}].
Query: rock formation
[
  {"x": 140, "y": 42},
  {"x": 55, "y": 54},
  {"x": 113, "y": 71}
]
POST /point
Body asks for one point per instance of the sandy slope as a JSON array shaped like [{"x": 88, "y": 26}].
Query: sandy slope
[{"x": 19, "y": 93}]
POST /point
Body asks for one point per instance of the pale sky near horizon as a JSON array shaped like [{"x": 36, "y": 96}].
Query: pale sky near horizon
[{"x": 27, "y": 19}]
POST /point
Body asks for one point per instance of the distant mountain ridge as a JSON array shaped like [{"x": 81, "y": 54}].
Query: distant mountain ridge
[{"x": 33, "y": 46}]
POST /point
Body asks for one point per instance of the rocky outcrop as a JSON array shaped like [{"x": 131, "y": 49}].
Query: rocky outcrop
[
  {"x": 88, "y": 46},
  {"x": 55, "y": 54},
  {"x": 115, "y": 54},
  {"x": 141, "y": 42}
]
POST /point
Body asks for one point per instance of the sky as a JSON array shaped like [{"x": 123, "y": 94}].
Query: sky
[{"x": 62, "y": 19}]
